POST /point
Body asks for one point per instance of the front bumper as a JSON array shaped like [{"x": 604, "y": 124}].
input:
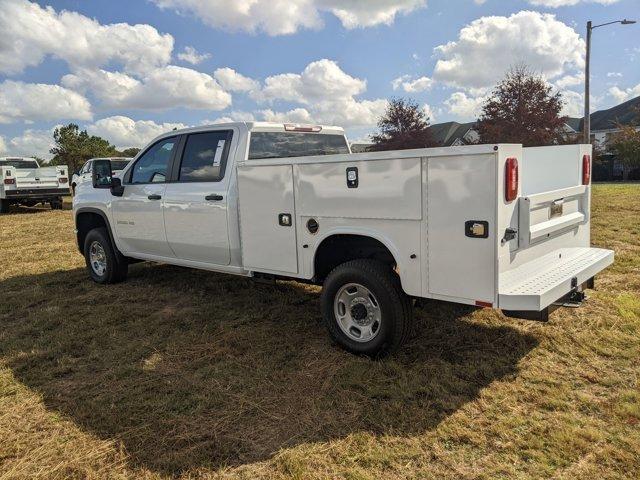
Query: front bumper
[
  {"x": 36, "y": 193},
  {"x": 540, "y": 283}
]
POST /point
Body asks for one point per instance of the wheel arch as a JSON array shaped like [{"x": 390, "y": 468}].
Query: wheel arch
[
  {"x": 341, "y": 245},
  {"x": 88, "y": 218}
]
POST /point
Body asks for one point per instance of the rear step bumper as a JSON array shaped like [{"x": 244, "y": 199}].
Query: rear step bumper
[
  {"x": 536, "y": 285},
  {"x": 35, "y": 193}
]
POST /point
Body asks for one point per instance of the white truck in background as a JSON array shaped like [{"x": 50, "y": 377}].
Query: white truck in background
[
  {"x": 84, "y": 174},
  {"x": 25, "y": 182},
  {"x": 496, "y": 226}
]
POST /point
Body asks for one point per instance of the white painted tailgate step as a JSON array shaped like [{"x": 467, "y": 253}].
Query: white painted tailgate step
[{"x": 537, "y": 284}]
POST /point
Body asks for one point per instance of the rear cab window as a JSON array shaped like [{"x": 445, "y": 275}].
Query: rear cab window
[
  {"x": 19, "y": 164},
  {"x": 295, "y": 144}
]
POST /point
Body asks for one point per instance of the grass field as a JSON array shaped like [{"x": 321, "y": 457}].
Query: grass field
[{"x": 179, "y": 373}]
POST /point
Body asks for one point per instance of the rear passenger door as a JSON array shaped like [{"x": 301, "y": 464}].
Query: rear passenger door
[{"x": 196, "y": 202}]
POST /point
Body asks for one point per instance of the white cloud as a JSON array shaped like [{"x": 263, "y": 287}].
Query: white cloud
[
  {"x": 327, "y": 93},
  {"x": 21, "y": 101},
  {"x": 614, "y": 74},
  {"x": 489, "y": 46},
  {"x": 234, "y": 81},
  {"x": 320, "y": 81},
  {"x": 125, "y": 132},
  {"x": 573, "y": 104},
  {"x": 29, "y": 143},
  {"x": 3, "y": 145},
  {"x": 430, "y": 114},
  {"x": 567, "y": 3},
  {"x": 569, "y": 81},
  {"x": 161, "y": 89},
  {"x": 409, "y": 85},
  {"x": 191, "y": 55},
  {"x": 285, "y": 17},
  {"x": 465, "y": 107},
  {"x": 623, "y": 95},
  {"x": 32, "y": 32}
]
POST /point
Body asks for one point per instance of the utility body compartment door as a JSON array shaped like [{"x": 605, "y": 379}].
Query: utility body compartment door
[
  {"x": 268, "y": 219},
  {"x": 461, "y": 193}
]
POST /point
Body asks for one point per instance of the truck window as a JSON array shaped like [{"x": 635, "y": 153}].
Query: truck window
[
  {"x": 19, "y": 164},
  {"x": 293, "y": 144},
  {"x": 205, "y": 156},
  {"x": 152, "y": 166},
  {"x": 119, "y": 164}
]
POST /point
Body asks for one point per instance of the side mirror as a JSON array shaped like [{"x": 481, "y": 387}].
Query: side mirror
[
  {"x": 117, "y": 189},
  {"x": 101, "y": 174}
]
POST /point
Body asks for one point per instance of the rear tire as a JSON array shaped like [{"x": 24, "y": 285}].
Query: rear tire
[
  {"x": 105, "y": 264},
  {"x": 364, "y": 308},
  {"x": 4, "y": 206},
  {"x": 56, "y": 205}
]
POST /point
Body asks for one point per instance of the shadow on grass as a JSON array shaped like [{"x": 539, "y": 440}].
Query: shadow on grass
[{"x": 191, "y": 369}]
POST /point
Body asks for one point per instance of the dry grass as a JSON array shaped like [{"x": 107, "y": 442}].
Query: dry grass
[{"x": 184, "y": 373}]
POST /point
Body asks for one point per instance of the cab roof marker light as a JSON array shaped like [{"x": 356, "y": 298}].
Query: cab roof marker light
[{"x": 290, "y": 127}]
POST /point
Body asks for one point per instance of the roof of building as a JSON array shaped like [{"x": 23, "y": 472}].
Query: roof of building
[
  {"x": 626, "y": 113},
  {"x": 447, "y": 133}
]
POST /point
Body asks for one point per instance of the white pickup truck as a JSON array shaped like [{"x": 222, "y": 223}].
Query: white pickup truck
[
  {"x": 24, "y": 182},
  {"x": 497, "y": 226}
]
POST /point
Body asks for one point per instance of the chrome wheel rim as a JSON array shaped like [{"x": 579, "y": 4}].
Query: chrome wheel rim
[
  {"x": 357, "y": 312},
  {"x": 97, "y": 259}
]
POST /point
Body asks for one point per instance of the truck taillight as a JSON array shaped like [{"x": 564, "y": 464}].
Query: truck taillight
[
  {"x": 586, "y": 169},
  {"x": 63, "y": 180},
  {"x": 9, "y": 181},
  {"x": 511, "y": 180}
]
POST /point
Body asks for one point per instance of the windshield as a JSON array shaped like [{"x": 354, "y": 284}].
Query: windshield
[
  {"x": 19, "y": 164},
  {"x": 119, "y": 164},
  {"x": 291, "y": 144}
]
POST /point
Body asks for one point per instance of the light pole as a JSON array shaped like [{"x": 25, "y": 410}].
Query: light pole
[{"x": 587, "y": 108}]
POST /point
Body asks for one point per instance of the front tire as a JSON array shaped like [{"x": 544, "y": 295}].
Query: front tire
[
  {"x": 364, "y": 308},
  {"x": 105, "y": 264}
]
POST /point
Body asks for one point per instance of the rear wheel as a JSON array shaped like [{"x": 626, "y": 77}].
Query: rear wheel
[
  {"x": 4, "y": 206},
  {"x": 56, "y": 204},
  {"x": 364, "y": 308},
  {"x": 105, "y": 264}
]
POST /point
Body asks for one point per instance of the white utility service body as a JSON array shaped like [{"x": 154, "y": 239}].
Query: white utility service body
[
  {"x": 24, "y": 182},
  {"x": 497, "y": 226},
  {"x": 417, "y": 202}
]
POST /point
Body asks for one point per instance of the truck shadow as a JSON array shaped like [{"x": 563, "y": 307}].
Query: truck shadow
[{"x": 191, "y": 369}]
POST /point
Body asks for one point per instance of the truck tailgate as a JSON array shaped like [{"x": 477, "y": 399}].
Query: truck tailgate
[
  {"x": 537, "y": 284},
  {"x": 44, "y": 177}
]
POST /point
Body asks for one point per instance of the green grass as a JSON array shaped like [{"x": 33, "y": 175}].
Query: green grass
[{"x": 197, "y": 375}]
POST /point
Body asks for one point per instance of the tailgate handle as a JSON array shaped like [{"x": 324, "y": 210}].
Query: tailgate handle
[
  {"x": 213, "y": 198},
  {"x": 154, "y": 197}
]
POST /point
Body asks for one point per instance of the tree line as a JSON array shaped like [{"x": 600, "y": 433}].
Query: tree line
[
  {"x": 73, "y": 147},
  {"x": 522, "y": 108}
]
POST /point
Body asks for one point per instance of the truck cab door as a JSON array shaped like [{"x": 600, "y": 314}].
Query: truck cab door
[
  {"x": 138, "y": 213},
  {"x": 196, "y": 201}
]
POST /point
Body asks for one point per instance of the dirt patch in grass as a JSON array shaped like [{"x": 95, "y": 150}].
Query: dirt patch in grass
[{"x": 185, "y": 373}]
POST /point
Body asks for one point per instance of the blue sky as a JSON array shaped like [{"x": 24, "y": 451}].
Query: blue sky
[{"x": 129, "y": 70}]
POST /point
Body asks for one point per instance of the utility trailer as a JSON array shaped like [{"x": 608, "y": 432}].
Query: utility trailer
[{"x": 497, "y": 226}]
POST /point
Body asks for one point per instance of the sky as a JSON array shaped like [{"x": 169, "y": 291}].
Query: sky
[{"x": 131, "y": 70}]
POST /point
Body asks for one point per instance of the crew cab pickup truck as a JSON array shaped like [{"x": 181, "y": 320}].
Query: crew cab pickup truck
[
  {"x": 24, "y": 182},
  {"x": 496, "y": 226}
]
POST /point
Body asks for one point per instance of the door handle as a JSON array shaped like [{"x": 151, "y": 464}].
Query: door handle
[
  {"x": 213, "y": 198},
  {"x": 154, "y": 197}
]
